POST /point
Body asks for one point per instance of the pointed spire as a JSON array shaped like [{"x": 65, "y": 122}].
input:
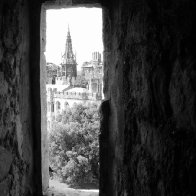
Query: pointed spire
[
  {"x": 69, "y": 65},
  {"x": 75, "y": 55},
  {"x": 68, "y": 56},
  {"x": 68, "y": 32}
]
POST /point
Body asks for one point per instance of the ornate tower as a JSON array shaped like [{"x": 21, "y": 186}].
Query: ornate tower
[{"x": 69, "y": 65}]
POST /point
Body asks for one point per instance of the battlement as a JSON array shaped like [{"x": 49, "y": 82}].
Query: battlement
[{"x": 77, "y": 95}]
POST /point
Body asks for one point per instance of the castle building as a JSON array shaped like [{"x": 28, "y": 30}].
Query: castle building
[{"x": 69, "y": 87}]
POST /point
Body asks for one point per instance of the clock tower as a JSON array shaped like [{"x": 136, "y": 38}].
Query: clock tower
[{"x": 69, "y": 65}]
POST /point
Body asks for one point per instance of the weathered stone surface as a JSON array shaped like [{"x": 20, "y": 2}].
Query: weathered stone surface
[
  {"x": 4, "y": 188},
  {"x": 15, "y": 112},
  {"x": 150, "y": 80},
  {"x": 3, "y": 85},
  {"x": 5, "y": 162}
]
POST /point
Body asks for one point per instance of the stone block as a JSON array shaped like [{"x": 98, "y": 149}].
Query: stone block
[
  {"x": 5, "y": 162},
  {"x": 4, "y": 188}
]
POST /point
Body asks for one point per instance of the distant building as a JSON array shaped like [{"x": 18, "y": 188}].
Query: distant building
[
  {"x": 59, "y": 97},
  {"x": 93, "y": 67},
  {"x": 64, "y": 87},
  {"x": 68, "y": 72},
  {"x": 51, "y": 73},
  {"x": 93, "y": 73}
]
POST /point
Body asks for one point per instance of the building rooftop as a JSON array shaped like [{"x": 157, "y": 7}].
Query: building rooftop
[
  {"x": 78, "y": 90},
  {"x": 59, "y": 87}
]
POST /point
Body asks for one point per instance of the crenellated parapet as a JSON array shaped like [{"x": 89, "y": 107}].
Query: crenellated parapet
[{"x": 77, "y": 95}]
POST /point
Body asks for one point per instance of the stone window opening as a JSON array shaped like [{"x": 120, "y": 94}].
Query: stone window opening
[{"x": 45, "y": 153}]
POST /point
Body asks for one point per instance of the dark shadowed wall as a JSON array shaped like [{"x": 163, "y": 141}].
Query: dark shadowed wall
[
  {"x": 16, "y": 133},
  {"x": 150, "y": 82}
]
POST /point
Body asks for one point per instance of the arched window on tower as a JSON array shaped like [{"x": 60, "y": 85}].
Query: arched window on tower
[
  {"x": 66, "y": 104},
  {"x": 58, "y": 105},
  {"x": 52, "y": 107}
]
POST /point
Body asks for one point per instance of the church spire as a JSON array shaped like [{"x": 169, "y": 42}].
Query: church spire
[
  {"x": 68, "y": 57},
  {"x": 69, "y": 65}
]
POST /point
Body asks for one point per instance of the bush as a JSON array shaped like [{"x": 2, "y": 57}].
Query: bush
[{"x": 74, "y": 146}]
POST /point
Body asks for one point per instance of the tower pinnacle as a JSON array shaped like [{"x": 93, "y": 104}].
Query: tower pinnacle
[
  {"x": 69, "y": 59},
  {"x": 68, "y": 56}
]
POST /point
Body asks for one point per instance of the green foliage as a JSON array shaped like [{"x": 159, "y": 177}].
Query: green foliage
[{"x": 74, "y": 146}]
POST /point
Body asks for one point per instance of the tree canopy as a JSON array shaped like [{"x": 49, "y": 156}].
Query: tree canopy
[{"x": 74, "y": 146}]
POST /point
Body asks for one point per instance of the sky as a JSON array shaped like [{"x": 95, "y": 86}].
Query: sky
[{"x": 85, "y": 26}]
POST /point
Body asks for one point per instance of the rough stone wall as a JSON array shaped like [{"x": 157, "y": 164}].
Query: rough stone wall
[
  {"x": 16, "y": 156},
  {"x": 150, "y": 82}
]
